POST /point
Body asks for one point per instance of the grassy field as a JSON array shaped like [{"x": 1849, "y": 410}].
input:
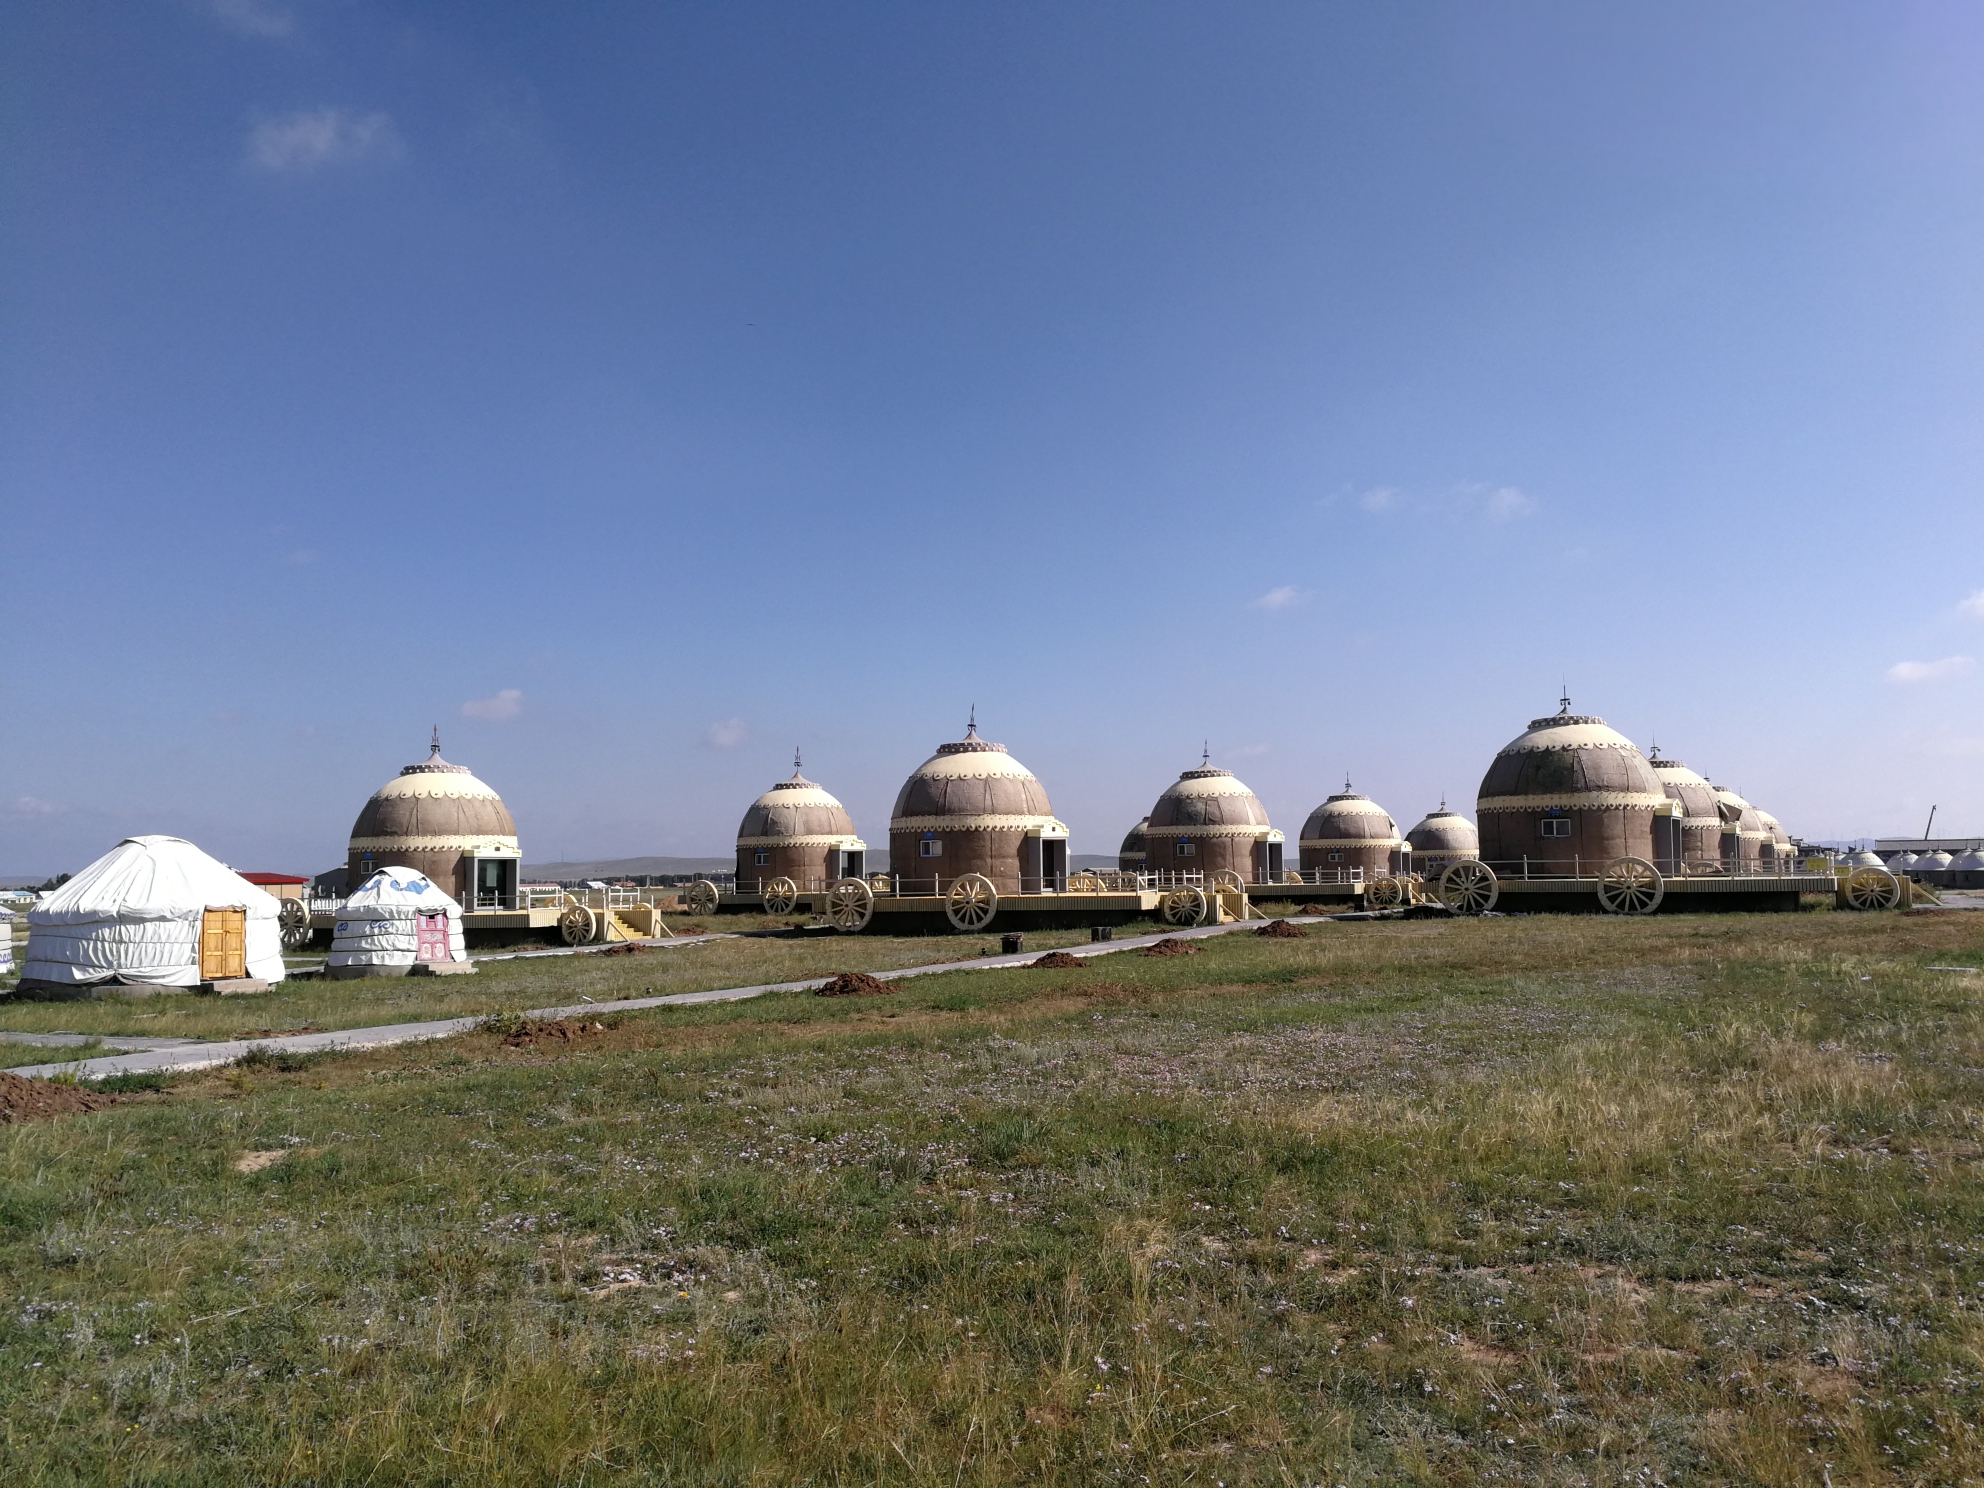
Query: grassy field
[
  {"x": 1682, "y": 1200},
  {"x": 497, "y": 986}
]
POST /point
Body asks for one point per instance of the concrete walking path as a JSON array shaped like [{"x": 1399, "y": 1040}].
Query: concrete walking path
[{"x": 186, "y": 1057}]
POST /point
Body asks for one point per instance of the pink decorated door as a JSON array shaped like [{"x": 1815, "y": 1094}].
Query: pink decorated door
[{"x": 430, "y": 937}]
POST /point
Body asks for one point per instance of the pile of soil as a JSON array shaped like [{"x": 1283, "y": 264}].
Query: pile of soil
[
  {"x": 37, "y": 1100},
  {"x": 1315, "y": 909},
  {"x": 626, "y": 948},
  {"x": 1281, "y": 930},
  {"x": 1058, "y": 960},
  {"x": 1170, "y": 946},
  {"x": 854, "y": 984},
  {"x": 533, "y": 1034}
]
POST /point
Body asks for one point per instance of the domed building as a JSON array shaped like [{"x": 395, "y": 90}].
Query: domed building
[
  {"x": 1207, "y": 822},
  {"x": 972, "y": 808},
  {"x": 1133, "y": 856},
  {"x": 798, "y": 831},
  {"x": 1966, "y": 870},
  {"x": 438, "y": 819},
  {"x": 1568, "y": 795},
  {"x": 1699, "y": 823},
  {"x": 1350, "y": 830},
  {"x": 1743, "y": 834},
  {"x": 1442, "y": 838},
  {"x": 1934, "y": 868},
  {"x": 1777, "y": 846}
]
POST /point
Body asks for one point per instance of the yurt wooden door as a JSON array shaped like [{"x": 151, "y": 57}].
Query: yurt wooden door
[
  {"x": 430, "y": 937},
  {"x": 223, "y": 944}
]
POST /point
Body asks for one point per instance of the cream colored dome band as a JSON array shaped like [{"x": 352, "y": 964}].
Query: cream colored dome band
[
  {"x": 1574, "y": 801},
  {"x": 1351, "y": 842},
  {"x": 854, "y": 844},
  {"x": 1262, "y": 833},
  {"x": 487, "y": 846},
  {"x": 974, "y": 824}
]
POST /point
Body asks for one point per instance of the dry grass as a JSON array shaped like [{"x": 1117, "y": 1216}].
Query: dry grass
[{"x": 1693, "y": 1201}]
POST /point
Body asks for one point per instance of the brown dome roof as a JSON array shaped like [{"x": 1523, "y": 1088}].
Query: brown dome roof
[
  {"x": 1349, "y": 816},
  {"x": 1444, "y": 831},
  {"x": 1133, "y": 841},
  {"x": 1695, "y": 795},
  {"x": 434, "y": 805},
  {"x": 971, "y": 782},
  {"x": 1207, "y": 797},
  {"x": 793, "y": 811},
  {"x": 1570, "y": 759}
]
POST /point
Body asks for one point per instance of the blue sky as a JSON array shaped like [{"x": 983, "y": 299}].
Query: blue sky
[{"x": 637, "y": 391}]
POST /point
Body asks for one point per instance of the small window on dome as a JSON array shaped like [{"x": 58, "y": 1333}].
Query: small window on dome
[
  {"x": 762, "y": 857},
  {"x": 1555, "y": 826},
  {"x": 930, "y": 847},
  {"x": 1336, "y": 855},
  {"x": 1186, "y": 848}
]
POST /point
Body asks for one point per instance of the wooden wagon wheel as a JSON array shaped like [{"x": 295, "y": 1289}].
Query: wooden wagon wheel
[
  {"x": 702, "y": 897},
  {"x": 1384, "y": 893},
  {"x": 879, "y": 882},
  {"x": 1186, "y": 906},
  {"x": 1086, "y": 883},
  {"x": 1469, "y": 887},
  {"x": 1631, "y": 886},
  {"x": 1872, "y": 888},
  {"x": 1228, "y": 881},
  {"x": 294, "y": 920},
  {"x": 972, "y": 902},
  {"x": 577, "y": 925},
  {"x": 780, "y": 895},
  {"x": 850, "y": 905},
  {"x": 1291, "y": 875}
]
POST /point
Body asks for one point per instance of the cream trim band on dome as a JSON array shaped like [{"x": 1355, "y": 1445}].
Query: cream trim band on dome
[
  {"x": 1259, "y": 834},
  {"x": 845, "y": 842},
  {"x": 1351, "y": 842},
  {"x": 986, "y": 823},
  {"x": 488, "y": 847},
  {"x": 1574, "y": 801}
]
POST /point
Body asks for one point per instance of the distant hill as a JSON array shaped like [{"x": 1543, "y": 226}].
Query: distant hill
[{"x": 607, "y": 868}]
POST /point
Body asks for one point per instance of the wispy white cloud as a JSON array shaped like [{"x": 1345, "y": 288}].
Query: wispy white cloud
[
  {"x": 1506, "y": 503},
  {"x": 726, "y": 733},
  {"x": 1379, "y": 498},
  {"x": 1248, "y": 751},
  {"x": 311, "y": 138},
  {"x": 252, "y": 17},
  {"x": 1280, "y": 599},
  {"x": 1973, "y": 606},
  {"x": 34, "y": 806},
  {"x": 501, "y": 708},
  {"x": 1931, "y": 671}
]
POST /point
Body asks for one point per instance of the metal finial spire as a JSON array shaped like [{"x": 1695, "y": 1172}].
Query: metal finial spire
[
  {"x": 1564, "y": 700},
  {"x": 971, "y": 728},
  {"x": 436, "y": 747},
  {"x": 1205, "y": 753},
  {"x": 795, "y": 759}
]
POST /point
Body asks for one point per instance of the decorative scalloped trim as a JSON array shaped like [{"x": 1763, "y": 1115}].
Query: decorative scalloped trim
[
  {"x": 481, "y": 843},
  {"x": 854, "y": 844},
  {"x": 1575, "y": 801},
  {"x": 1351, "y": 842},
  {"x": 1230, "y": 830},
  {"x": 987, "y": 823}
]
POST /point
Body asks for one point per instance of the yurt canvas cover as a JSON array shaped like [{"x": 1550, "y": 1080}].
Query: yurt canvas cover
[
  {"x": 137, "y": 913},
  {"x": 6, "y": 940},
  {"x": 381, "y": 924}
]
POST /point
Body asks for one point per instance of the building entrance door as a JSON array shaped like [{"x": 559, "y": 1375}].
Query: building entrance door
[
  {"x": 223, "y": 943},
  {"x": 430, "y": 937}
]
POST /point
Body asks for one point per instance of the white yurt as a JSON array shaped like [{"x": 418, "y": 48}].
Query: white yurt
[
  {"x": 152, "y": 912},
  {"x": 6, "y": 942},
  {"x": 396, "y": 920},
  {"x": 1966, "y": 870}
]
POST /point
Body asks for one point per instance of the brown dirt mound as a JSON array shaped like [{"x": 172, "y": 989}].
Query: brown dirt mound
[
  {"x": 36, "y": 1100},
  {"x": 1058, "y": 959},
  {"x": 854, "y": 984},
  {"x": 1282, "y": 930},
  {"x": 626, "y": 948},
  {"x": 531, "y": 1034},
  {"x": 1171, "y": 946},
  {"x": 1315, "y": 909}
]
